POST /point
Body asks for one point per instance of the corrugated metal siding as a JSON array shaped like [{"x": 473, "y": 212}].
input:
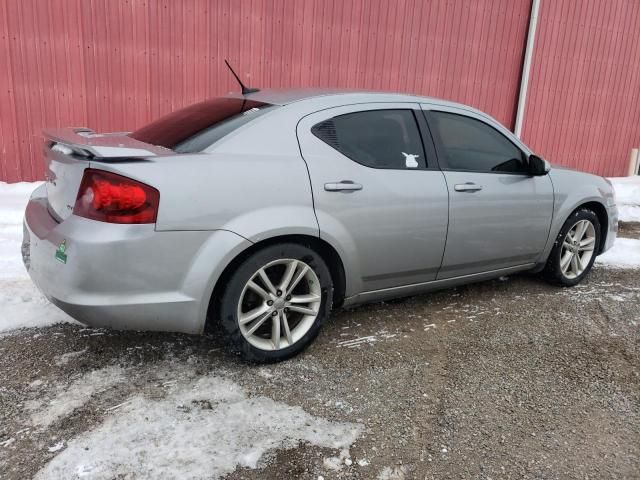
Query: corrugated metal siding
[
  {"x": 584, "y": 102},
  {"x": 115, "y": 65}
]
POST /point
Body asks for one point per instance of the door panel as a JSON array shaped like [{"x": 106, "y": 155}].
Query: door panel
[
  {"x": 391, "y": 222},
  {"x": 504, "y": 224},
  {"x": 499, "y": 215}
]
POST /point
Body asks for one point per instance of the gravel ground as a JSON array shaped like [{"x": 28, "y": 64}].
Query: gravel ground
[{"x": 511, "y": 378}]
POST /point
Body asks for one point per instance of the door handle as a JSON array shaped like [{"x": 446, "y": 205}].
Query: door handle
[
  {"x": 467, "y": 187},
  {"x": 342, "y": 186}
]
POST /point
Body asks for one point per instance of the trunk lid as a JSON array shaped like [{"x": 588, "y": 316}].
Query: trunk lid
[{"x": 69, "y": 151}]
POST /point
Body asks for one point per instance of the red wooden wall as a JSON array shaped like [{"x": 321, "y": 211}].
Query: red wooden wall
[
  {"x": 583, "y": 108},
  {"x": 116, "y": 64}
]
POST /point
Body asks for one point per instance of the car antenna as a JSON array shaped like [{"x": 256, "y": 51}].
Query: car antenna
[{"x": 245, "y": 89}]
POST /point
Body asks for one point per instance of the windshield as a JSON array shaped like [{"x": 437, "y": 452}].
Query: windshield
[{"x": 194, "y": 128}]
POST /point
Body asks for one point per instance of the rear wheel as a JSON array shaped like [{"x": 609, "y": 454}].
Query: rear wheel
[
  {"x": 575, "y": 249},
  {"x": 275, "y": 302}
]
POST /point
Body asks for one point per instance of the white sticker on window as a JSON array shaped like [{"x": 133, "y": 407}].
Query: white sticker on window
[{"x": 410, "y": 160}]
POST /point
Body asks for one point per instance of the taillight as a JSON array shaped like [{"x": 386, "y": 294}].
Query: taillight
[{"x": 112, "y": 198}]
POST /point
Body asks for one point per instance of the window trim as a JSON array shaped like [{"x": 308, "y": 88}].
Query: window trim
[
  {"x": 428, "y": 147},
  {"x": 440, "y": 149}
]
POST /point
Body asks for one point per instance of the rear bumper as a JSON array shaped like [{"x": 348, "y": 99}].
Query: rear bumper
[{"x": 125, "y": 276}]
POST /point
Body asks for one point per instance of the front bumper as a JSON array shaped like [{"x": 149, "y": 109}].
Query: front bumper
[
  {"x": 612, "y": 227},
  {"x": 125, "y": 276}
]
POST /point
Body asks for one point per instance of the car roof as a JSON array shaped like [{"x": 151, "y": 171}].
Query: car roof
[
  {"x": 323, "y": 98},
  {"x": 291, "y": 95}
]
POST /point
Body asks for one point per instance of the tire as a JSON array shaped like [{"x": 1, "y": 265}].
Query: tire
[
  {"x": 248, "y": 302},
  {"x": 566, "y": 246}
]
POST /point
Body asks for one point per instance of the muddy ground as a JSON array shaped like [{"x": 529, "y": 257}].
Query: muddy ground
[{"x": 511, "y": 378}]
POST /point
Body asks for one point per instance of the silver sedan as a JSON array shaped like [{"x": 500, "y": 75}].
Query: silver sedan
[{"x": 254, "y": 215}]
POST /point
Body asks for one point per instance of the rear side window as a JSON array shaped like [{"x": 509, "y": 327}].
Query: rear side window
[
  {"x": 194, "y": 128},
  {"x": 375, "y": 138},
  {"x": 470, "y": 144}
]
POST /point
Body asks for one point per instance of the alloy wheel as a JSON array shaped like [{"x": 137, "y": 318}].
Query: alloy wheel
[
  {"x": 577, "y": 249},
  {"x": 279, "y": 304}
]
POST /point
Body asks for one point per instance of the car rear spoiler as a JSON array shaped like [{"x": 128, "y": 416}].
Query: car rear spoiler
[{"x": 85, "y": 142}]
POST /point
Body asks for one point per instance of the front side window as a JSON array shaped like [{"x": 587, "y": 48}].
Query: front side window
[
  {"x": 375, "y": 138},
  {"x": 473, "y": 145},
  {"x": 198, "y": 126}
]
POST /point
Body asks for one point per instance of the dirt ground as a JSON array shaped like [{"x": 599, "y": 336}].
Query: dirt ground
[{"x": 511, "y": 378}]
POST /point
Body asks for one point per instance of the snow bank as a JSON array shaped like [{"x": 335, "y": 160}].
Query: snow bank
[
  {"x": 625, "y": 253},
  {"x": 628, "y": 197},
  {"x": 203, "y": 429},
  {"x": 21, "y": 303},
  {"x": 45, "y": 412},
  {"x": 23, "y": 306},
  {"x": 13, "y": 200}
]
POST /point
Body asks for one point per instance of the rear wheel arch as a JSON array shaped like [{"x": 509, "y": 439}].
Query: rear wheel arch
[{"x": 327, "y": 252}]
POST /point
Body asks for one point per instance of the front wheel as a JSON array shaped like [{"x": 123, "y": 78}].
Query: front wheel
[
  {"x": 275, "y": 302},
  {"x": 575, "y": 249}
]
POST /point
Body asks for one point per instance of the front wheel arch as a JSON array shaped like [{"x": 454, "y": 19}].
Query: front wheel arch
[
  {"x": 328, "y": 254},
  {"x": 553, "y": 270},
  {"x": 597, "y": 208},
  {"x": 603, "y": 217}
]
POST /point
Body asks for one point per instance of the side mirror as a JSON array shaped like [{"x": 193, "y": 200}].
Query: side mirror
[{"x": 538, "y": 166}]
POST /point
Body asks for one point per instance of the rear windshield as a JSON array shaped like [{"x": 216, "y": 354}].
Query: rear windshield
[{"x": 198, "y": 126}]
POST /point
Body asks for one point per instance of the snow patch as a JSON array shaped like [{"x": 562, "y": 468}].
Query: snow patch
[
  {"x": 335, "y": 463},
  {"x": 625, "y": 253},
  {"x": 332, "y": 463},
  {"x": 23, "y": 306},
  {"x": 74, "y": 396},
  {"x": 58, "y": 446},
  {"x": 201, "y": 429},
  {"x": 368, "y": 340},
  {"x": 67, "y": 357},
  {"x": 395, "y": 473},
  {"x": 8, "y": 442}
]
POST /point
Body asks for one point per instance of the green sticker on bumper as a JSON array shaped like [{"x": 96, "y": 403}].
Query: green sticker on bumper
[{"x": 61, "y": 254}]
